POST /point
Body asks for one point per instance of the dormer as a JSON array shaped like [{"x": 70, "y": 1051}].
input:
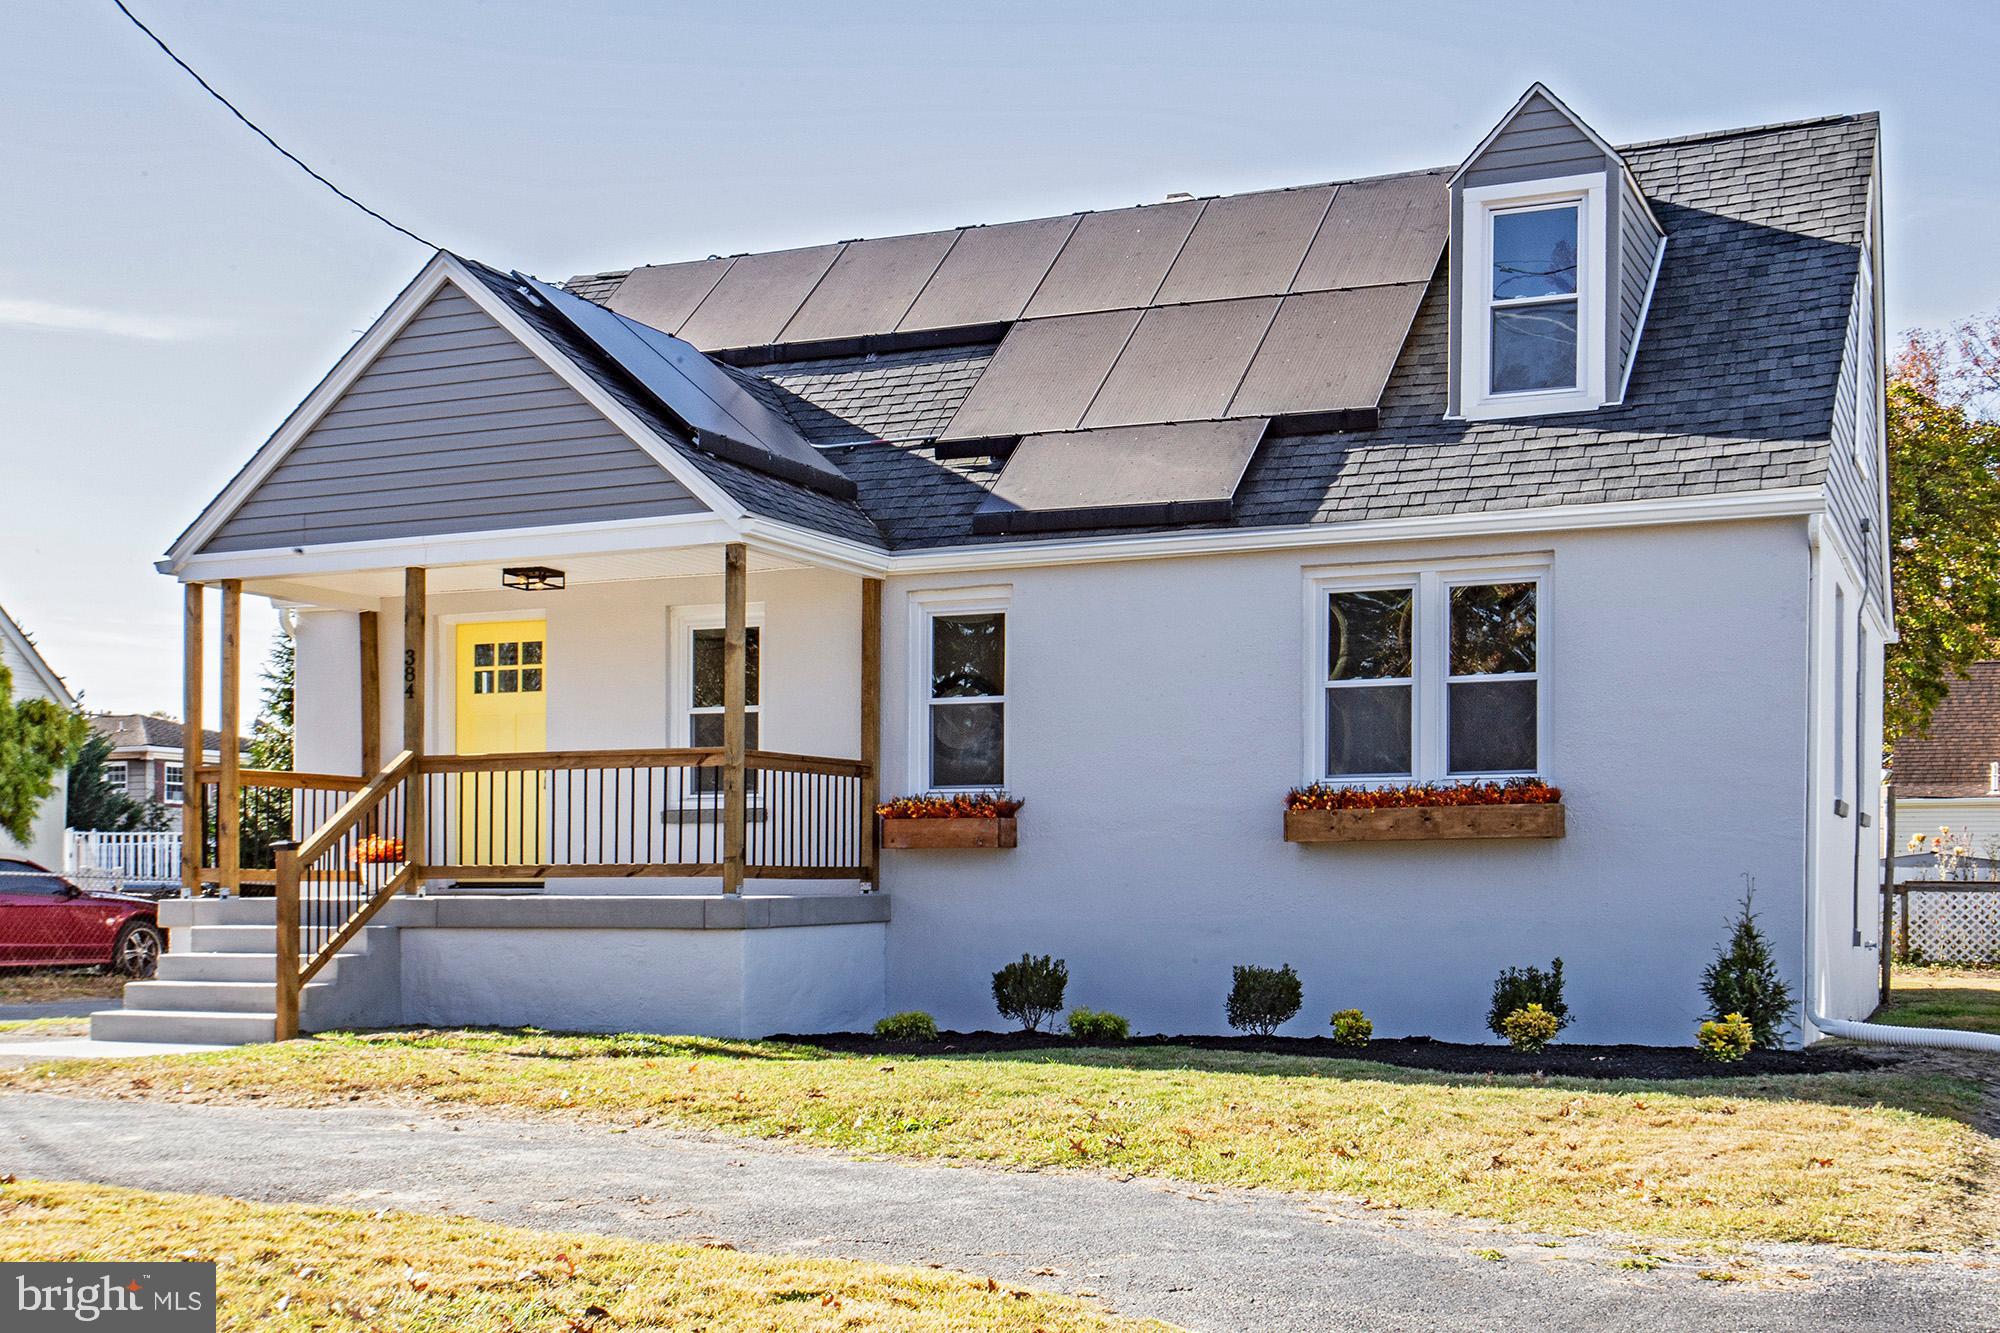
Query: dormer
[{"x": 1554, "y": 253}]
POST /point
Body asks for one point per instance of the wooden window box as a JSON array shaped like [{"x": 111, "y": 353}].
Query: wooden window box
[
  {"x": 1425, "y": 823},
  {"x": 907, "y": 834}
]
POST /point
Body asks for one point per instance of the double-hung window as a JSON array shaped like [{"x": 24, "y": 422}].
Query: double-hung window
[
  {"x": 173, "y": 784},
  {"x": 698, "y": 706},
  {"x": 116, "y": 775},
  {"x": 1532, "y": 299},
  {"x": 1429, "y": 675},
  {"x": 959, "y": 730}
]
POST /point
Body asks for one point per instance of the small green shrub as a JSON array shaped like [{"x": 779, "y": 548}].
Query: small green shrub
[
  {"x": 1098, "y": 1025},
  {"x": 1530, "y": 1028},
  {"x": 1031, "y": 991},
  {"x": 1727, "y": 1039},
  {"x": 910, "y": 1025},
  {"x": 1743, "y": 980},
  {"x": 1352, "y": 1028},
  {"x": 1518, "y": 987},
  {"x": 1263, "y": 999}
]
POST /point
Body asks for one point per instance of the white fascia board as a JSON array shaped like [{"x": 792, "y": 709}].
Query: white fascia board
[
  {"x": 1639, "y": 333},
  {"x": 509, "y": 544},
  {"x": 25, "y": 649},
  {"x": 444, "y": 268}
]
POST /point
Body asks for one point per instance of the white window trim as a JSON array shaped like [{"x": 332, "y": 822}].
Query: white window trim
[
  {"x": 1477, "y": 402},
  {"x": 682, "y": 622},
  {"x": 925, "y": 607},
  {"x": 1430, "y": 650},
  {"x": 122, "y": 781},
  {"x": 173, "y": 783}
]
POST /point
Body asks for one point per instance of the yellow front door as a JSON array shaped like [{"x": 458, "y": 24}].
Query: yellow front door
[{"x": 502, "y": 690}]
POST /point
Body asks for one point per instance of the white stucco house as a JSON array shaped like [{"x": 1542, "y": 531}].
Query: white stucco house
[
  {"x": 1565, "y": 463},
  {"x": 34, "y": 678}
]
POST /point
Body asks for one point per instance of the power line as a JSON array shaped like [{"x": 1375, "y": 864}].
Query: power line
[{"x": 259, "y": 132}]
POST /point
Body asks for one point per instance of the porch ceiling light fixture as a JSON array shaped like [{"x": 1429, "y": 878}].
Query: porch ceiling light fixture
[{"x": 532, "y": 578}]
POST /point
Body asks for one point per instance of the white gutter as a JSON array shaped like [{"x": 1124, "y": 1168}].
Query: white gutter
[{"x": 1880, "y": 1034}]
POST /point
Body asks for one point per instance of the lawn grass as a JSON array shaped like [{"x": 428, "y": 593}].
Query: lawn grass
[
  {"x": 291, "y": 1267},
  {"x": 1940, "y": 997},
  {"x": 43, "y": 985},
  {"x": 1877, "y": 1159},
  {"x": 22, "y": 1029}
]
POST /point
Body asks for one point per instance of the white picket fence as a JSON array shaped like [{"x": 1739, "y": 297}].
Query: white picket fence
[{"x": 130, "y": 858}]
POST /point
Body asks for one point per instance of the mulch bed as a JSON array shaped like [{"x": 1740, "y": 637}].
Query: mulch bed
[{"x": 1562, "y": 1060}]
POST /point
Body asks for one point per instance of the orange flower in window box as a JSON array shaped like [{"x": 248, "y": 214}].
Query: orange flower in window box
[
  {"x": 960, "y": 820},
  {"x": 1425, "y": 811}
]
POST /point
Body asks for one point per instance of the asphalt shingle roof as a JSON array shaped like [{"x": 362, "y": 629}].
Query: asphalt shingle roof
[
  {"x": 1964, "y": 739},
  {"x": 1733, "y": 389},
  {"x": 132, "y": 731}
]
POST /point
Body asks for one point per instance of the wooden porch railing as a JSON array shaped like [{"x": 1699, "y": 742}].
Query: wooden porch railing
[
  {"x": 545, "y": 815},
  {"x": 272, "y": 806}
]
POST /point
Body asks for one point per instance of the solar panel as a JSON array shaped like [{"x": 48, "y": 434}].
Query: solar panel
[
  {"x": 989, "y": 274},
  {"x": 724, "y": 417},
  {"x": 869, "y": 288},
  {"x": 1114, "y": 261},
  {"x": 1379, "y": 231},
  {"x": 1185, "y": 472},
  {"x": 1329, "y": 351},
  {"x": 1183, "y": 363},
  {"x": 1246, "y": 245},
  {"x": 1043, "y": 376},
  {"x": 757, "y": 297},
  {"x": 664, "y": 295}
]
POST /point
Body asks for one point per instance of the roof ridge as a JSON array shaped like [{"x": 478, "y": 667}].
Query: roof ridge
[{"x": 1746, "y": 131}]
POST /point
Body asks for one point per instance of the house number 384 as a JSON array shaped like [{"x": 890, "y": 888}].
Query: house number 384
[{"x": 409, "y": 673}]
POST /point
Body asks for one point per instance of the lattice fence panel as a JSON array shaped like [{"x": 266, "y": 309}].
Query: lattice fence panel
[{"x": 1947, "y": 927}]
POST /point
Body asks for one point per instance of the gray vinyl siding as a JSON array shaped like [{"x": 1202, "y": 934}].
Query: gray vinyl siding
[
  {"x": 454, "y": 427},
  {"x": 1539, "y": 142},
  {"x": 1854, "y": 486},
  {"x": 1638, "y": 243}
]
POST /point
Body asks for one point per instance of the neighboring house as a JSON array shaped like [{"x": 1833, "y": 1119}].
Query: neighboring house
[
  {"x": 1950, "y": 777},
  {"x": 148, "y": 754},
  {"x": 1566, "y": 463},
  {"x": 35, "y": 679}
]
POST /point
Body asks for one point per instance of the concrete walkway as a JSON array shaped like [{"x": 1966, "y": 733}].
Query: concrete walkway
[
  {"x": 30, "y": 1050},
  {"x": 1206, "y": 1259}
]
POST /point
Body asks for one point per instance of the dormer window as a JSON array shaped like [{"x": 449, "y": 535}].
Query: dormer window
[
  {"x": 1531, "y": 297},
  {"x": 1533, "y": 320}
]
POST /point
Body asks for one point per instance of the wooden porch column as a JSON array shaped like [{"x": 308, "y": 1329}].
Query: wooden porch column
[
  {"x": 735, "y": 632},
  {"x": 416, "y": 641},
  {"x": 371, "y": 693},
  {"x": 192, "y": 787},
  {"x": 871, "y": 726},
  {"x": 229, "y": 788}
]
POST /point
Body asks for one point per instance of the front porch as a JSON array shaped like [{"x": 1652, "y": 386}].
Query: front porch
[{"x": 446, "y": 812}]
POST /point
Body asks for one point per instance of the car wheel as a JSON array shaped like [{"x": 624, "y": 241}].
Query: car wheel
[{"x": 136, "y": 951}]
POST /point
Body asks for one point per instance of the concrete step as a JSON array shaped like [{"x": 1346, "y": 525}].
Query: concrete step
[
  {"x": 224, "y": 939},
  {"x": 222, "y": 997},
  {"x": 219, "y": 966},
  {"x": 218, "y": 912},
  {"x": 182, "y": 1025}
]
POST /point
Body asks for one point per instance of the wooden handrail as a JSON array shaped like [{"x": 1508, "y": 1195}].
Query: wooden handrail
[
  {"x": 670, "y": 758},
  {"x": 285, "y": 778},
  {"x": 354, "y": 808}
]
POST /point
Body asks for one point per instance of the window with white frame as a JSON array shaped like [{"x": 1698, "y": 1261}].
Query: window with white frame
[
  {"x": 1533, "y": 300},
  {"x": 173, "y": 785},
  {"x": 698, "y": 676},
  {"x": 117, "y": 775},
  {"x": 959, "y": 733},
  {"x": 1427, "y": 676}
]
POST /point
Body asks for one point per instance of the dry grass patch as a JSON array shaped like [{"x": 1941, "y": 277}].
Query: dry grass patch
[
  {"x": 1967, "y": 999},
  {"x": 44, "y": 985},
  {"x": 1879, "y": 1160},
  {"x": 40, "y": 1029},
  {"x": 288, "y": 1267}
]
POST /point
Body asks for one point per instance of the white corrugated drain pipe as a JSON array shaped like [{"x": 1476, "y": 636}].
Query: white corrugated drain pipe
[{"x": 1883, "y": 1034}]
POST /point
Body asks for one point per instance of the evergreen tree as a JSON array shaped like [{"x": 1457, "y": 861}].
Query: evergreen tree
[
  {"x": 38, "y": 739},
  {"x": 1744, "y": 980},
  {"x": 267, "y": 811},
  {"x": 97, "y": 806}
]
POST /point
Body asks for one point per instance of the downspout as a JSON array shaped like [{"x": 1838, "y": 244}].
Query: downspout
[{"x": 1880, "y": 1034}]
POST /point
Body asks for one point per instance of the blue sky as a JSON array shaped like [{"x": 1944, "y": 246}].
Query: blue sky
[{"x": 170, "y": 288}]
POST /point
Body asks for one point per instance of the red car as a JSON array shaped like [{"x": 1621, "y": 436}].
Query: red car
[{"x": 48, "y": 921}]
